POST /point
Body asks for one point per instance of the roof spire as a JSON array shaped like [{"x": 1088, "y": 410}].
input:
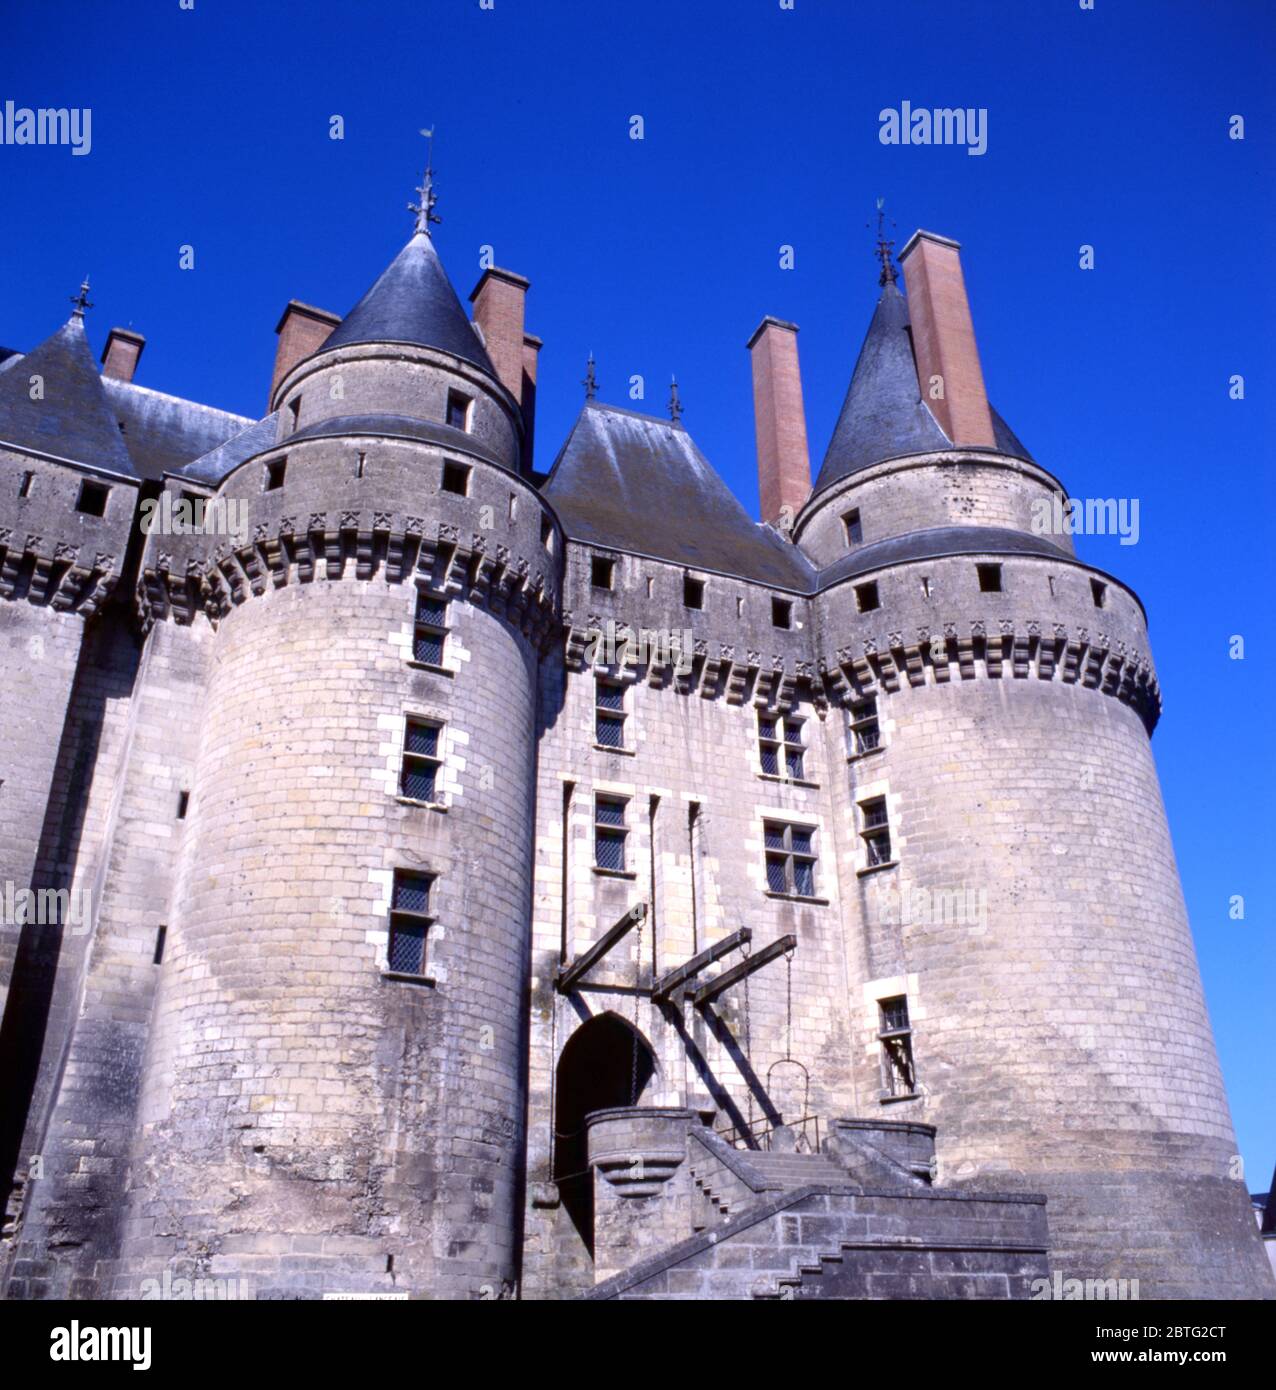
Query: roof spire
[
  {"x": 590, "y": 382},
  {"x": 884, "y": 247},
  {"x": 424, "y": 210},
  {"x": 81, "y": 300},
  {"x": 675, "y": 403}
]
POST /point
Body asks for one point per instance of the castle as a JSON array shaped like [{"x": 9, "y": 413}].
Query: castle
[{"x": 433, "y": 876}]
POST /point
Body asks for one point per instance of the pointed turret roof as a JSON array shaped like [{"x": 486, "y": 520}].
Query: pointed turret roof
[
  {"x": 640, "y": 484},
  {"x": 413, "y": 302},
  {"x": 883, "y": 415},
  {"x": 72, "y": 418}
]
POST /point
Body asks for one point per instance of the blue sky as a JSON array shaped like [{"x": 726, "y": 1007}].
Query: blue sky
[{"x": 1106, "y": 127}]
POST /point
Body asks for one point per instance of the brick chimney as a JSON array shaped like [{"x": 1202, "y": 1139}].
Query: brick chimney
[
  {"x": 499, "y": 299},
  {"x": 948, "y": 371},
  {"x": 531, "y": 358},
  {"x": 121, "y": 354},
  {"x": 302, "y": 329},
  {"x": 784, "y": 463}
]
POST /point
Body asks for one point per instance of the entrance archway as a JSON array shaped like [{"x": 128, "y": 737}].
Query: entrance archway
[{"x": 595, "y": 1072}]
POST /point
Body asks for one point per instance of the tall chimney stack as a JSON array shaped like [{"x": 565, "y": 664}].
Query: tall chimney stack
[
  {"x": 302, "y": 329},
  {"x": 121, "y": 354},
  {"x": 499, "y": 301},
  {"x": 531, "y": 357},
  {"x": 784, "y": 462},
  {"x": 948, "y": 371}
]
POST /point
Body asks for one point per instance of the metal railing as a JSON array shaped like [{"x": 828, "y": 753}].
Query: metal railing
[{"x": 759, "y": 1135}]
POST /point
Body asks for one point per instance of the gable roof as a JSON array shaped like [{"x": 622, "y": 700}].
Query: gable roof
[
  {"x": 72, "y": 419},
  {"x": 413, "y": 302},
  {"x": 164, "y": 433},
  {"x": 636, "y": 483}
]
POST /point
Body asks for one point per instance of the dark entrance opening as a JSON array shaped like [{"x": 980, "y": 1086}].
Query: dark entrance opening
[{"x": 606, "y": 1063}]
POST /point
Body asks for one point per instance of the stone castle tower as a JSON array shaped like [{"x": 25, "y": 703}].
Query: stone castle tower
[{"x": 434, "y": 876}]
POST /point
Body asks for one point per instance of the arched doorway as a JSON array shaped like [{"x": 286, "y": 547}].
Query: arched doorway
[{"x": 605, "y": 1063}]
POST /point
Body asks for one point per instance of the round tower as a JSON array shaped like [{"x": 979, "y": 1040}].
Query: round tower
[
  {"x": 334, "y": 1093},
  {"x": 1013, "y": 871}
]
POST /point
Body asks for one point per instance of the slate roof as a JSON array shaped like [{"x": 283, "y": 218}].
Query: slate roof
[
  {"x": 74, "y": 420},
  {"x": 413, "y": 302},
  {"x": 883, "y": 415},
  {"x": 213, "y": 466},
  {"x": 940, "y": 541},
  {"x": 164, "y": 433},
  {"x": 636, "y": 483},
  {"x": 397, "y": 427}
]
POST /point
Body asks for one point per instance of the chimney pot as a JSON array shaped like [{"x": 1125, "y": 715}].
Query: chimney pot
[
  {"x": 784, "y": 463},
  {"x": 948, "y": 371},
  {"x": 122, "y": 353},
  {"x": 302, "y": 330}
]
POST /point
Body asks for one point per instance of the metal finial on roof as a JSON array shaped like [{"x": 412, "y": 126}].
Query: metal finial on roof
[
  {"x": 884, "y": 246},
  {"x": 81, "y": 300},
  {"x": 424, "y": 209},
  {"x": 675, "y": 403},
  {"x": 590, "y": 382}
]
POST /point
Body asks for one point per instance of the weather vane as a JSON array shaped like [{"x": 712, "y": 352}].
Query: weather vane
[
  {"x": 424, "y": 209},
  {"x": 590, "y": 382},
  {"x": 675, "y": 402},
  {"x": 884, "y": 246},
  {"x": 81, "y": 300}
]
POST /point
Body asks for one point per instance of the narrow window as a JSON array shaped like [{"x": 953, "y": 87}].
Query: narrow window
[
  {"x": 513, "y": 507},
  {"x": 458, "y": 410},
  {"x": 781, "y": 613},
  {"x": 24, "y": 487},
  {"x": 866, "y": 597},
  {"x": 92, "y": 498},
  {"x": 692, "y": 592},
  {"x": 456, "y": 478},
  {"x": 294, "y": 411},
  {"x": 854, "y": 531},
  {"x": 274, "y": 478},
  {"x": 790, "y": 858},
  {"x": 925, "y": 586},
  {"x": 780, "y": 744},
  {"x": 358, "y": 468},
  {"x": 161, "y": 937},
  {"x": 410, "y": 922},
  {"x": 547, "y": 534},
  {"x": 609, "y": 832},
  {"x": 183, "y": 804},
  {"x": 419, "y": 777},
  {"x": 602, "y": 572},
  {"x": 863, "y": 731},
  {"x": 429, "y": 629},
  {"x": 896, "y": 1037},
  {"x": 875, "y": 831},
  {"x": 989, "y": 579},
  {"x": 1099, "y": 592},
  {"x": 609, "y": 714}
]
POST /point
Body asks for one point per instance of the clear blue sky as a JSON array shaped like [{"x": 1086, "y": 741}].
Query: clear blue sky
[{"x": 211, "y": 127}]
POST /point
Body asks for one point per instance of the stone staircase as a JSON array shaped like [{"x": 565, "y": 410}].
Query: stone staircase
[
  {"x": 857, "y": 1221},
  {"x": 728, "y": 1187}
]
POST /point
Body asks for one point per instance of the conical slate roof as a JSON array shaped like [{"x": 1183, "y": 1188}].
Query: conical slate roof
[
  {"x": 413, "y": 302},
  {"x": 73, "y": 420},
  {"x": 635, "y": 483},
  {"x": 883, "y": 415}
]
